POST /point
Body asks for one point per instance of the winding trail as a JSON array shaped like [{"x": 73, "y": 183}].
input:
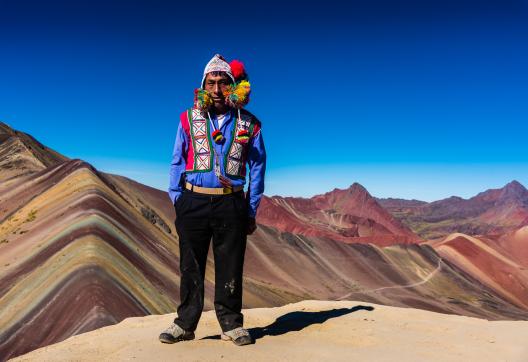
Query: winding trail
[{"x": 423, "y": 281}]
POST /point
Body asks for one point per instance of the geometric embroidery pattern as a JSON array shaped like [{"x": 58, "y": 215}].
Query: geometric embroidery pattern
[
  {"x": 199, "y": 128},
  {"x": 202, "y": 162},
  {"x": 237, "y": 151},
  {"x": 234, "y": 159},
  {"x": 201, "y": 145},
  {"x": 233, "y": 166}
]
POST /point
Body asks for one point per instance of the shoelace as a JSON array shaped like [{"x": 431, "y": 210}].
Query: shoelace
[
  {"x": 174, "y": 328},
  {"x": 239, "y": 332}
]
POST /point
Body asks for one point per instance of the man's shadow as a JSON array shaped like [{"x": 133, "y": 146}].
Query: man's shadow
[{"x": 296, "y": 321}]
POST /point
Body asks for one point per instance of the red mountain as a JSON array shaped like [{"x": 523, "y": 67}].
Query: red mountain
[
  {"x": 494, "y": 211},
  {"x": 500, "y": 262},
  {"x": 351, "y": 215}
]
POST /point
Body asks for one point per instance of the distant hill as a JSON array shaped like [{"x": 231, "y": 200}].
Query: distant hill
[{"x": 494, "y": 211}]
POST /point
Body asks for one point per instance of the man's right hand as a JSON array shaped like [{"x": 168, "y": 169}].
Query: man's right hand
[
  {"x": 176, "y": 200},
  {"x": 252, "y": 225}
]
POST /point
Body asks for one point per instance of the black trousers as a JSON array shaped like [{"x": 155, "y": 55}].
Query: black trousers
[{"x": 200, "y": 217}]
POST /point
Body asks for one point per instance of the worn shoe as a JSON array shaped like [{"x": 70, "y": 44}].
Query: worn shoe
[
  {"x": 175, "y": 334},
  {"x": 239, "y": 336}
]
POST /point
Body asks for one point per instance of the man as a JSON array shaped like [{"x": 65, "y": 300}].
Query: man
[{"x": 215, "y": 141}]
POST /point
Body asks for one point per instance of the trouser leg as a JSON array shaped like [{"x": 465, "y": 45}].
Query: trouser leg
[
  {"x": 229, "y": 224},
  {"x": 192, "y": 225}
]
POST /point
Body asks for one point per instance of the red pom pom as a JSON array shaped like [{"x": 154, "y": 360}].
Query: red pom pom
[{"x": 237, "y": 68}]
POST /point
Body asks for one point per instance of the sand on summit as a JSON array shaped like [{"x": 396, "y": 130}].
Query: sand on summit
[{"x": 306, "y": 331}]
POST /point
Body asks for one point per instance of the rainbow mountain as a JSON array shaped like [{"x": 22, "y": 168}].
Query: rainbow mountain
[{"x": 81, "y": 249}]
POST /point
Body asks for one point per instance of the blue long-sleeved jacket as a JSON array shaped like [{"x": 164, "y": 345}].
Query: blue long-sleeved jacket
[{"x": 256, "y": 164}]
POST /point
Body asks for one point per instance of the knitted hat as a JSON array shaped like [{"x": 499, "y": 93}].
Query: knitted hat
[
  {"x": 236, "y": 94},
  {"x": 217, "y": 64}
]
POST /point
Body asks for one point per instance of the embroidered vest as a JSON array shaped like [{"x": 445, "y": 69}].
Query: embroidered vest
[{"x": 200, "y": 155}]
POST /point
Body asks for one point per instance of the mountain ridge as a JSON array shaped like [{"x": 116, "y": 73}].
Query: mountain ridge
[
  {"x": 493, "y": 211},
  {"x": 22, "y": 154},
  {"x": 81, "y": 249}
]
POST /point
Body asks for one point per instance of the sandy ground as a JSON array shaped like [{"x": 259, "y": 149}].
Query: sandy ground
[{"x": 307, "y": 331}]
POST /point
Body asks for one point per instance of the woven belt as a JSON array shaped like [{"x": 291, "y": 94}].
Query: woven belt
[{"x": 213, "y": 190}]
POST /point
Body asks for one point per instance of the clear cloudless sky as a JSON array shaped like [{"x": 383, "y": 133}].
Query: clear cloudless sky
[{"x": 413, "y": 99}]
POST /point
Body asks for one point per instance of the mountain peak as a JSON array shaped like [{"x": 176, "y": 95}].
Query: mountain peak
[
  {"x": 357, "y": 187},
  {"x": 515, "y": 185},
  {"x": 514, "y": 192},
  {"x": 23, "y": 154},
  {"x": 5, "y": 131},
  {"x": 4, "y": 127}
]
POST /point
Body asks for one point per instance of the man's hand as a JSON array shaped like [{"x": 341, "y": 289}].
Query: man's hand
[{"x": 252, "y": 225}]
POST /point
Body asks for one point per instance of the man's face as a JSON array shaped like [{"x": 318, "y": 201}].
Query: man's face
[{"x": 216, "y": 84}]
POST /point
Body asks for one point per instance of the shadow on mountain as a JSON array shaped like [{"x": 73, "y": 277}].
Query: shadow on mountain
[{"x": 296, "y": 321}]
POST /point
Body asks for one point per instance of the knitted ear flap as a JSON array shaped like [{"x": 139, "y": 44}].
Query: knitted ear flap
[
  {"x": 202, "y": 100},
  {"x": 238, "y": 96}
]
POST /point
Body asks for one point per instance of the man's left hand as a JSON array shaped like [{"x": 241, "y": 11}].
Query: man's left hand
[{"x": 252, "y": 225}]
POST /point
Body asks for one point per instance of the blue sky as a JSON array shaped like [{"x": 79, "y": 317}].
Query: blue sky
[{"x": 412, "y": 99}]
